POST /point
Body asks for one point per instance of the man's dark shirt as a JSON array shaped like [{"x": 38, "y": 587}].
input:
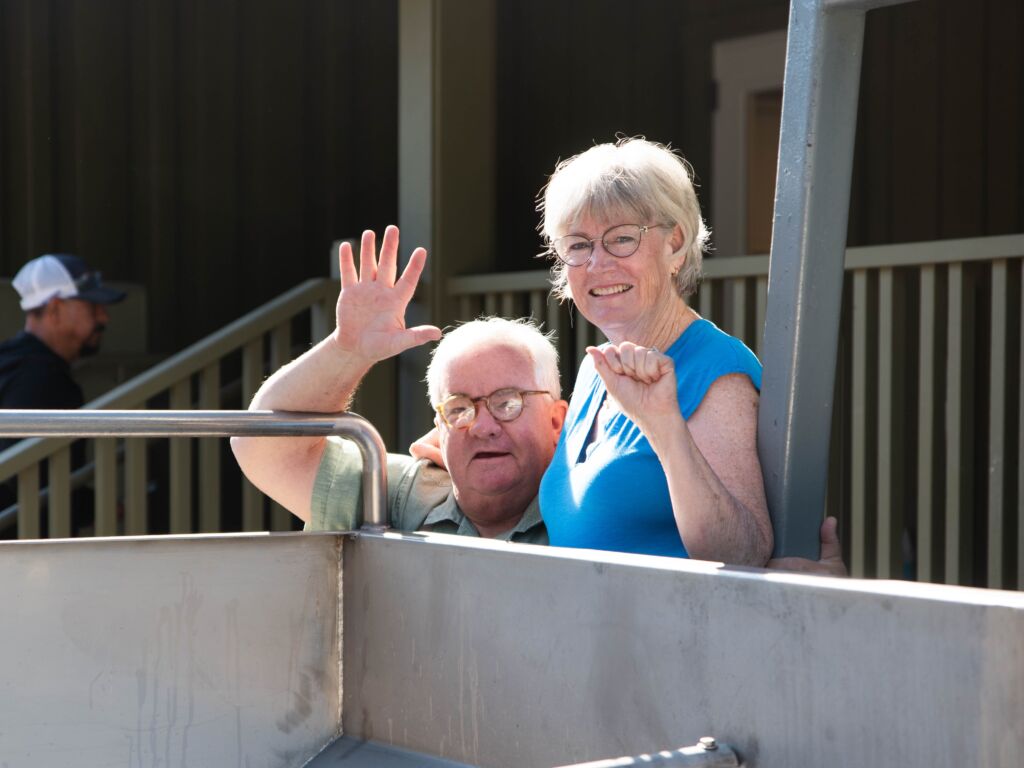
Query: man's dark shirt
[{"x": 34, "y": 376}]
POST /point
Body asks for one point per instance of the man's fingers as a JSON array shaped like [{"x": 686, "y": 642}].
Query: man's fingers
[
  {"x": 368, "y": 257},
  {"x": 428, "y": 447},
  {"x": 387, "y": 267},
  {"x": 421, "y": 334},
  {"x": 830, "y": 546},
  {"x": 347, "y": 265},
  {"x": 428, "y": 452},
  {"x": 411, "y": 274}
]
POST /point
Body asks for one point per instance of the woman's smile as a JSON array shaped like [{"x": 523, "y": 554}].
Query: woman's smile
[{"x": 610, "y": 290}]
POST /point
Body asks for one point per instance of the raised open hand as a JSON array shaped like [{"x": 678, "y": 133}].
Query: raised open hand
[
  {"x": 640, "y": 379},
  {"x": 372, "y": 303}
]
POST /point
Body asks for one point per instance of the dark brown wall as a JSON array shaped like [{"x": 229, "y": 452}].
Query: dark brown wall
[
  {"x": 941, "y": 123},
  {"x": 210, "y": 150},
  {"x": 939, "y": 133}
]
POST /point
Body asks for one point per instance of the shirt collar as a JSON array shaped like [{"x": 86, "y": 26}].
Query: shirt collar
[{"x": 450, "y": 512}]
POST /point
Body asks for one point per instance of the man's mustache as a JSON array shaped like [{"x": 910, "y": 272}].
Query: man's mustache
[{"x": 92, "y": 345}]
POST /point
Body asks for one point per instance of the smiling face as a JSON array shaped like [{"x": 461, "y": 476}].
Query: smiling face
[
  {"x": 496, "y": 466},
  {"x": 632, "y": 298}
]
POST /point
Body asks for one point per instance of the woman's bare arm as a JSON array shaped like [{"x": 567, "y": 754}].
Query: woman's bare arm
[{"x": 710, "y": 462}]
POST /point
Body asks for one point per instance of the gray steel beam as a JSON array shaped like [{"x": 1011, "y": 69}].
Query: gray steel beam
[
  {"x": 446, "y": 166},
  {"x": 812, "y": 197}
]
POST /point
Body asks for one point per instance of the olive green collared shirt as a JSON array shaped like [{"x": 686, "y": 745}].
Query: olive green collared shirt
[{"x": 420, "y": 498}]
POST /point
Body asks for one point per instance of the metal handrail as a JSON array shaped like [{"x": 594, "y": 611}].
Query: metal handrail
[
  {"x": 188, "y": 362},
  {"x": 47, "y": 423},
  {"x": 927, "y": 252}
]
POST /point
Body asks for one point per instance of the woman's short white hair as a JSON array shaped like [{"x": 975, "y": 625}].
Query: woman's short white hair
[
  {"x": 641, "y": 181},
  {"x": 496, "y": 331}
]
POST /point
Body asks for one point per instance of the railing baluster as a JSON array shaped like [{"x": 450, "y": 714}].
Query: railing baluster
[
  {"x": 508, "y": 304},
  {"x": 321, "y": 320},
  {"x": 954, "y": 571},
  {"x": 252, "y": 374},
  {"x": 490, "y": 304},
  {"x": 761, "y": 304},
  {"x": 59, "y": 503},
  {"x": 889, "y": 528},
  {"x": 737, "y": 288},
  {"x": 105, "y": 454},
  {"x": 1020, "y": 449},
  {"x": 552, "y": 316},
  {"x": 537, "y": 306},
  {"x": 28, "y": 503},
  {"x": 583, "y": 335},
  {"x": 209, "y": 454},
  {"x": 465, "y": 308},
  {"x": 858, "y": 428},
  {"x": 706, "y": 299},
  {"x": 927, "y": 540},
  {"x": 136, "y": 517},
  {"x": 181, "y": 464},
  {"x": 996, "y": 424},
  {"x": 280, "y": 354}
]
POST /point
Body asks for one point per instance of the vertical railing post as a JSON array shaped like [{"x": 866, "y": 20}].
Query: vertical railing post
[
  {"x": 252, "y": 374},
  {"x": 28, "y": 503},
  {"x": 280, "y": 355},
  {"x": 209, "y": 454},
  {"x": 136, "y": 512},
  {"x": 105, "y": 453},
  {"x": 181, "y": 465},
  {"x": 59, "y": 503}
]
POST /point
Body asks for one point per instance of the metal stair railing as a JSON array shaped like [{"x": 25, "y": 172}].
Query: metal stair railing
[
  {"x": 248, "y": 349},
  {"x": 106, "y": 424},
  {"x": 911, "y": 372}
]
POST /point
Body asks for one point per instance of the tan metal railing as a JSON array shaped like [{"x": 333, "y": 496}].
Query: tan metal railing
[
  {"x": 927, "y": 457},
  {"x": 242, "y": 352}
]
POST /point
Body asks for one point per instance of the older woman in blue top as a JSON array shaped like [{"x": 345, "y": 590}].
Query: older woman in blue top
[{"x": 658, "y": 454}]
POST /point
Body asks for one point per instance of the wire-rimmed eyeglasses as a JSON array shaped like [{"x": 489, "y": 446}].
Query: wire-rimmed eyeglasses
[
  {"x": 459, "y": 411},
  {"x": 620, "y": 241}
]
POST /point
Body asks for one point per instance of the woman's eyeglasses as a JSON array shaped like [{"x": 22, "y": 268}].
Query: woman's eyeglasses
[{"x": 620, "y": 241}]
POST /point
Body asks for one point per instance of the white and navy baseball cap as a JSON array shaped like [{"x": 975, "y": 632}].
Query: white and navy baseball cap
[{"x": 62, "y": 276}]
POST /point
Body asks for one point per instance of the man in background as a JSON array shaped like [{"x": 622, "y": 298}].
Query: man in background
[{"x": 65, "y": 304}]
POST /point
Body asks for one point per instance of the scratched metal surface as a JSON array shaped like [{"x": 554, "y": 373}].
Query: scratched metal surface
[
  {"x": 169, "y": 651},
  {"x": 505, "y": 655}
]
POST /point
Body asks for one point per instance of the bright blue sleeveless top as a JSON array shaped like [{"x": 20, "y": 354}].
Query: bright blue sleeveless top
[{"x": 613, "y": 494}]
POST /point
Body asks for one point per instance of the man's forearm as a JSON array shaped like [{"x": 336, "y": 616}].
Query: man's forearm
[{"x": 323, "y": 380}]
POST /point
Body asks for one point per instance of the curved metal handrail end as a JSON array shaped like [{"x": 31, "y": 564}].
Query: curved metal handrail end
[{"x": 141, "y": 423}]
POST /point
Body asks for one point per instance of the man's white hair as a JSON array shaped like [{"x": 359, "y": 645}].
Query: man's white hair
[{"x": 520, "y": 334}]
